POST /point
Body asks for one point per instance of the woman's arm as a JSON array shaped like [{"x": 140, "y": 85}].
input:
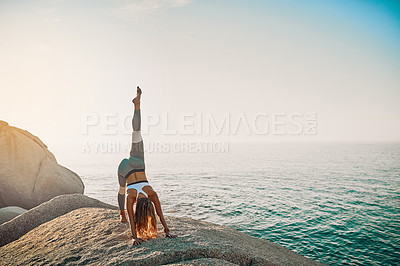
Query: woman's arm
[
  {"x": 131, "y": 199},
  {"x": 154, "y": 198}
]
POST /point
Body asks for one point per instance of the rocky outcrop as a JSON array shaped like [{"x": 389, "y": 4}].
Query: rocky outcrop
[
  {"x": 93, "y": 236},
  {"x": 45, "y": 212},
  {"x": 29, "y": 172},
  {"x": 9, "y": 213}
]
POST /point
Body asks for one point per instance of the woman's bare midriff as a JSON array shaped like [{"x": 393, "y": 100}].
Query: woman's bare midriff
[{"x": 136, "y": 177}]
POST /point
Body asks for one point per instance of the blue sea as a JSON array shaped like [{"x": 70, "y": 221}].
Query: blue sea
[{"x": 337, "y": 203}]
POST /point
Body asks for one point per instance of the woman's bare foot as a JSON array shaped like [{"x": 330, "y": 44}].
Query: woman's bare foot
[
  {"x": 123, "y": 217},
  {"x": 136, "y": 100}
]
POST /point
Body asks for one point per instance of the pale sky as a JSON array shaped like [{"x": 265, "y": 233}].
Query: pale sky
[{"x": 61, "y": 60}]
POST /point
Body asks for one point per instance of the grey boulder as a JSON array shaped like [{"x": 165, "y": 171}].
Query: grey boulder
[
  {"x": 9, "y": 213},
  {"x": 29, "y": 172}
]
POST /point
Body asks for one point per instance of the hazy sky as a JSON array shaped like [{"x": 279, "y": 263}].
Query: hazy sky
[{"x": 61, "y": 60}]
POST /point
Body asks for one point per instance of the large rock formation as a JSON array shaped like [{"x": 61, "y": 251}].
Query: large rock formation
[
  {"x": 29, "y": 172},
  {"x": 94, "y": 236}
]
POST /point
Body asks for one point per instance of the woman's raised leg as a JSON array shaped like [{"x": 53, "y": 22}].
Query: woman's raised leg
[{"x": 137, "y": 149}]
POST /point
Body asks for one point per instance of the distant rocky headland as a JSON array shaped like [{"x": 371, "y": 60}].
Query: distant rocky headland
[{"x": 47, "y": 220}]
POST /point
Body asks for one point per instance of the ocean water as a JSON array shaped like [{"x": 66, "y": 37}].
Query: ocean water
[{"x": 338, "y": 203}]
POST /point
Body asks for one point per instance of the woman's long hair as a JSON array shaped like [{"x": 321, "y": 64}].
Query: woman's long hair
[{"x": 145, "y": 219}]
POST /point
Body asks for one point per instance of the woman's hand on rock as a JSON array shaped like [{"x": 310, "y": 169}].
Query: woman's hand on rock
[
  {"x": 137, "y": 241},
  {"x": 168, "y": 235}
]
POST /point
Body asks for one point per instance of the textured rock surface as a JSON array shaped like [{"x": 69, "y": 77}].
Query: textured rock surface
[
  {"x": 9, "y": 213},
  {"x": 45, "y": 212},
  {"x": 29, "y": 172},
  {"x": 95, "y": 237}
]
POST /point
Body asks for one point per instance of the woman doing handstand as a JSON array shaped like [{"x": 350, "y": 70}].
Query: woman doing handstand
[{"x": 131, "y": 174}]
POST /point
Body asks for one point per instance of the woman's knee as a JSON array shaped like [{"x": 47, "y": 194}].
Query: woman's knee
[
  {"x": 122, "y": 190},
  {"x": 136, "y": 136}
]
